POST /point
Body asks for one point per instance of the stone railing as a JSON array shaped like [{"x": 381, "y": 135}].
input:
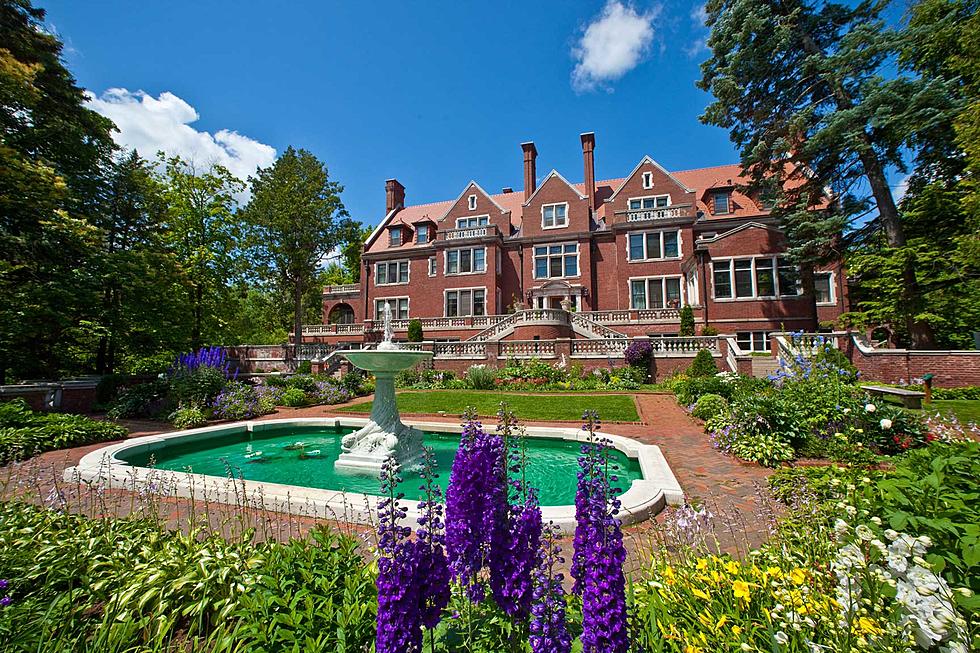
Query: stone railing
[
  {"x": 663, "y": 213},
  {"x": 342, "y": 289},
  {"x": 456, "y": 350},
  {"x": 599, "y": 348},
  {"x": 468, "y": 232},
  {"x": 331, "y": 329},
  {"x": 592, "y": 328},
  {"x": 685, "y": 346},
  {"x": 526, "y": 348},
  {"x": 529, "y": 316}
]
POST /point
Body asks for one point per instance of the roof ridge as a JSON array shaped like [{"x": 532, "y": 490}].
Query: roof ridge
[{"x": 723, "y": 165}]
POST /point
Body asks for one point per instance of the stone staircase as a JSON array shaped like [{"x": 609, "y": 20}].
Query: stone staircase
[{"x": 578, "y": 323}]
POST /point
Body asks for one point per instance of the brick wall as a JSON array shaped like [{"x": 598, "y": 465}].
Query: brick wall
[{"x": 950, "y": 369}]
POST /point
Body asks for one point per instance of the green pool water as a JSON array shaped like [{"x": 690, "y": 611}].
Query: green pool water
[{"x": 552, "y": 463}]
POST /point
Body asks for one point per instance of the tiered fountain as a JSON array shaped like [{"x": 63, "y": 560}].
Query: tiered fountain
[{"x": 384, "y": 435}]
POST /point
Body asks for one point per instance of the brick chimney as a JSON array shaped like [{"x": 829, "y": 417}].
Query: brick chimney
[
  {"x": 530, "y": 176},
  {"x": 394, "y": 195},
  {"x": 588, "y": 158}
]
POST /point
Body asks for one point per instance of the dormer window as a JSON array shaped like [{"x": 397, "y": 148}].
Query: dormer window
[
  {"x": 648, "y": 180},
  {"x": 395, "y": 237},
  {"x": 422, "y": 234},
  {"x": 721, "y": 203},
  {"x": 472, "y": 202}
]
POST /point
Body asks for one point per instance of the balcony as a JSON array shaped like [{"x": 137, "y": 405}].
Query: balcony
[
  {"x": 483, "y": 231},
  {"x": 343, "y": 290},
  {"x": 675, "y": 212}
]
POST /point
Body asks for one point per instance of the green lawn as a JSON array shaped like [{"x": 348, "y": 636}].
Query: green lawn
[
  {"x": 966, "y": 410},
  {"x": 540, "y": 407}
]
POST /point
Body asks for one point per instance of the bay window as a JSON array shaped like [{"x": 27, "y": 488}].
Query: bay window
[
  {"x": 653, "y": 245},
  {"x": 390, "y": 272},
  {"x": 399, "y": 308},
  {"x": 468, "y": 260},
  {"x": 755, "y": 278},
  {"x": 655, "y": 292},
  {"x": 466, "y": 302},
  {"x": 556, "y": 261}
]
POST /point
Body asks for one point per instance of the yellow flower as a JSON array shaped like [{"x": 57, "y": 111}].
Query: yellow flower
[
  {"x": 692, "y": 649},
  {"x": 866, "y": 626},
  {"x": 774, "y": 572},
  {"x": 722, "y": 621},
  {"x": 701, "y": 594},
  {"x": 741, "y": 590},
  {"x": 797, "y": 576},
  {"x": 736, "y": 630},
  {"x": 732, "y": 567},
  {"x": 702, "y": 564},
  {"x": 669, "y": 574}
]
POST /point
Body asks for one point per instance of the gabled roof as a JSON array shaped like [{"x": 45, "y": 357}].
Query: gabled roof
[
  {"x": 460, "y": 196},
  {"x": 646, "y": 159},
  {"x": 555, "y": 173}
]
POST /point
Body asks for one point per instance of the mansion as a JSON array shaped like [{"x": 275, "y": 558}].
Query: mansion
[{"x": 598, "y": 259}]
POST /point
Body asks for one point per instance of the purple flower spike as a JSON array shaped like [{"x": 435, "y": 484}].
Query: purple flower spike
[{"x": 549, "y": 629}]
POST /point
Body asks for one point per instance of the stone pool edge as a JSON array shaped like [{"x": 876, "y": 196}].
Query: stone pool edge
[{"x": 644, "y": 498}]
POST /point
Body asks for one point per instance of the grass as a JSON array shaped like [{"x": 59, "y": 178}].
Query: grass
[
  {"x": 539, "y": 407},
  {"x": 966, "y": 410}
]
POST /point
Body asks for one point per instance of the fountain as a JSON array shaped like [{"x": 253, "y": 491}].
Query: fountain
[{"x": 384, "y": 435}]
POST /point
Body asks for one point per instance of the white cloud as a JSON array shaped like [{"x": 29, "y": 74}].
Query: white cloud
[
  {"x": 699, "y": 44},
  {"x": 150, "y": 124},
  {"x": 612, "y": 45}
]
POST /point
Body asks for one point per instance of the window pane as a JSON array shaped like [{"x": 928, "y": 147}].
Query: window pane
[
  {"x": 662, "y": 202},
  {"x": 540, "y": 251},
  {"x": 423, "y": 233},
  {"x": 465, "y": 264},
  {"x": 554, "y": 249},
  {"x": 760, "y": 340},
  {"x": 672, "y": 288},
  {"x": 721, "y": 202},
  {"x": 765, "y": 284},
  {"x": 571, "y": 265},
  {"x": 464, "y": 302},
  {"x": 655, "y": 293},
  {"x": 723, "y": 280},
  {"x": 648, "y": 203},
  {"x": 402, "y": 309},
  {"x": 403, "y": 272},
  {"x": 821, "y": 283},
  {"x": 479, "y": 260},
  {"x": 379, "y": 274},
  {"x": 378, "y": 310},
  {"x": 638, "y": 298},
  {"x": 549, "y": 216},
  {"x": 744, "y": 340},
  {"x": 432, "y": 266},
  {"x": 482, "y": 221},
  {"x": 634, "y": 205},
  {"x": 554, "y": 265},
  {"x": 452, "y": 262},
  {"x": 653, "y": 246},
  {"x": 479, "y": 301},
  {"x": 636, "y": 247},
  {"x": 671, "y": 244},
  {"x": 560, "y": 214},
  {"x": 743, "y": 278},
  {"x": 541, "y": 267},
  {"x": 571, "y": 249},
  {"x": 788, "y": 278},
  {"x": 451, "y": 304}
]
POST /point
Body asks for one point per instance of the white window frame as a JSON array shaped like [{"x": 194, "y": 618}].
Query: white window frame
[
  {"x": 555, "y": 216},
  {"x": 396, "y": 263},
  {"x": 663, "y": 288},
  {"x": 755, "y": 297},
  {"x": 471, "y": 202},
  {"x": 578, "y": 260},
  {"x": 394, "y": 315},
  {"x": 428, "y": 234},
  {"x": 445, "y": 255},
  {"x": 445, "y": 301},
  {"x": 640, "y": 199},
  {"x": 646, "y": 256},
  {"x": 433, "y": 266},
  {"x": 473, "y": 217},
  {"x": 766, "y": 346},
  {"x": 647, "y": 178},
  {"x": 832, "y": 282},
  {"x": 728, "y": 204},
  {"x": 401, "y": 236}
]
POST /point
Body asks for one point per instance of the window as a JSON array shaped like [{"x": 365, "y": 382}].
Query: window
[
  {"x": 654, "y": 202},
  {"x": 752, "y": 278},
  {"x": 654, "y": 245},
  {"x": 655, "y": 292},
  {"x": 390, "y": 272},
  {"x": 556, "y": 261},
  {"x": 466, "y": 302},
  {"x": 432, "y": 266},
  {"x": 648, "y": 180},
  {"x": 752, "y": 340},
  {"x": 466, "y": 261},
  {"x": 471, "y": 202},
  {"x": 554, "y": 215},
  {"x": 422, "y": 234},
  {"x": 824, "y": 287},
  {"x": 721, "y": 202},
  {"x": 395, "y": 236},
  {"x": 399, "y": 308},
  {"x": 475, "y": 221}
]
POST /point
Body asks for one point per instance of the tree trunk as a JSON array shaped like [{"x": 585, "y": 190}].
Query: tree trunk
[{"x": 297, "y": 316}]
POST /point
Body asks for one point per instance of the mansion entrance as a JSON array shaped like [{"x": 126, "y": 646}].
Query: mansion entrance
[{"x": 554, "y": 293}]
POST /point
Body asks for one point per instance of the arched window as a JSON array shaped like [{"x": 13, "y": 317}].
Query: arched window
[{"x": 341, "y": 314}]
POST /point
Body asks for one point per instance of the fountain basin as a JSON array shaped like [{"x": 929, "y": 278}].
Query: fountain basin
[
  {"x": 123, "y": 466},
  {"x": 384, "y": 360}
]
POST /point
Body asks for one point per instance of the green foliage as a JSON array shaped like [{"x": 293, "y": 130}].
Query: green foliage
[
  {"x": 703, "y": 365},
  {"x": 142, "y": 400},
  {"x": 25, "y": 433},
  {"x": 188, "y": 418},
  {"x": 415, "y": 330},
  {"x": 709, "y": 331},
  {"x": 295, "y": 397},
  {"x": 482, "y": 377},
  {"x": 686, "y": 328},
  {"x": 709, "y": 405},
  {"x": 196, "y": 387},
  {"x": 304, "y": 367}
]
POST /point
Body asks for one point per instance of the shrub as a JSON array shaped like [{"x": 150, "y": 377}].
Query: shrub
[
  {"x": 703, "y": 365},
  {"x": 415, "y": 330},
  {"x": 237, "y": 401},
  {"x": 329, "y": 392},
  {"x": 481, "y": 377},
  {"x": 143, "y": 400},
  {"x": 188, "y": 418},
  {"x": 355, "y": 382},
  {"x": 277, "y": 380},
  {"x": 294, "y": 397},
  {"x": 709, "y": 406},
  {"x": 687, "y": 322},
  {"x": 25, "y": 433},
  {"x": 709, "y": 330},
  {"x": 689, "y": 389},
  {"x": 268, "y": 398},
  {"x": 304, "y": 367},
  {"x": 196, "y": 386},
  {"x": 304, "y": 382},
  {"x": 638, "y": 354},
  {"x": 108, "y": 388}
]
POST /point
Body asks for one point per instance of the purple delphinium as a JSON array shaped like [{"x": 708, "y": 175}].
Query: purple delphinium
[
  {"x": 399, "y": 626},
  {"x": 472, "y": 501},
  {"x": 638, "y": 352},
  {"x": 517, "y": 531},
  {"x": 599, "y": 549},
  {"x": 549, "y": 630},
  {"x": 215, "y": 357},
  {"x": 432, "y": 568}
]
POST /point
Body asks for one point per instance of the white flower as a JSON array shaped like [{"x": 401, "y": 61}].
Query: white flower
[
  {"x": 781, "y": 637},
  {"x": 885, "y": 423},
  {"x": 864, "y": 533},
  {"x": 870, "y": 408},
  {"x": 876, "y": 521},
  {"x": 847, "y": 410},
  {"x": 840, "y": 527}
]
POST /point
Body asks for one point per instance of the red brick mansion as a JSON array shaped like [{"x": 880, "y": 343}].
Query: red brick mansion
[{"x": 591, "y": 261}]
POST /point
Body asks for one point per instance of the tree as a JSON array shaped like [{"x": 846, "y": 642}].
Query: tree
[
  {"x": 415, "y": 330},
  {"x": 687, "y": 322},
  {"x": 801, "y": 88},
  {"x": 52, "y": 154},
  {"x": 297, "y": 218}
]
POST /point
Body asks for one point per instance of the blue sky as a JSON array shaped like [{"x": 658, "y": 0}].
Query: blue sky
[{"x": 432, "y": 93}]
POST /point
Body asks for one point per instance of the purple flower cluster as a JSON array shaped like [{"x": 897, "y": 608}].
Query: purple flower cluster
[
  {"x": 432, "y": 568},
  {"x": 215, "y": 357},
  {"x": 328, "y": 392},
  {"x": 549, "y": 630},
  {"x": 5, "y": 600},
  {"x": 597, "y": 564},
  {"x": 236, "y": 401},
  {"x": 638, "y": 353},
  {"x": 474, "y": 500},
  {"x": 399, "y": 628}
]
